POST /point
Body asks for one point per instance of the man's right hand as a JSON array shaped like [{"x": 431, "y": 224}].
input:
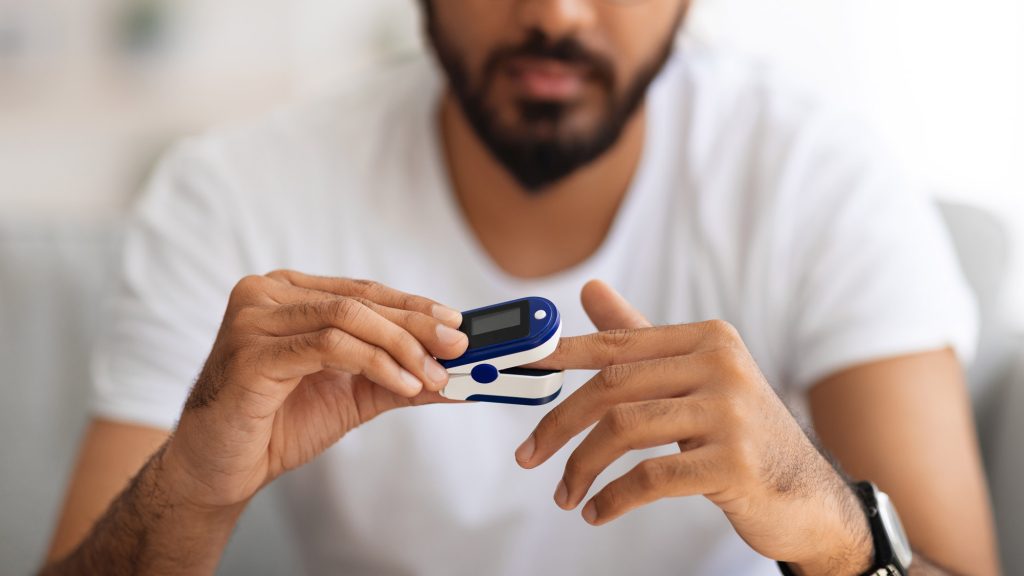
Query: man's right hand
[{"x": 298, "y": 362}]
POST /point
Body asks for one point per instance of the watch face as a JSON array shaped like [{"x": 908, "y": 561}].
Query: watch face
[{"x": 893, "y": 526}]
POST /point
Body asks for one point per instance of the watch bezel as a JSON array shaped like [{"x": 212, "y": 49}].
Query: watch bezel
[
  {"x": 892, "y": 547},
  {"x": 899, "y": 544}
]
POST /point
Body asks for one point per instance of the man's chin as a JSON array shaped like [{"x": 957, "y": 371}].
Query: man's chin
[
  {"x": 542, "y": 142},
  {"x": 539, "y": 163},
  {"x": 548, "y": 125}
]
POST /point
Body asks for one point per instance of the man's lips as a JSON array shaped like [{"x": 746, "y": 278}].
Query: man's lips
[{"x": 546, "y": 78}]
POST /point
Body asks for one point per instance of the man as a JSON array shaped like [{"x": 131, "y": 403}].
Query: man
[{"x": 558, "y": 140}]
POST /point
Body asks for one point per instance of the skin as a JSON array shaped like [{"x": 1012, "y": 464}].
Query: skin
[
  {"x": 941, "y": 463},
  {"x": 300, "y": 361},
  {"x": 695, "y": 385},
  {"x": 513, "y": 226}
]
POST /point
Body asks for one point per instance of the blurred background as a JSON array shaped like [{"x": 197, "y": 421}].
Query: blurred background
[{"x": 91, "y": 92}]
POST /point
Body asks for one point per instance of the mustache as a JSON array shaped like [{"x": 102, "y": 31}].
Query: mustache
[{"x": 567, "y": 50}]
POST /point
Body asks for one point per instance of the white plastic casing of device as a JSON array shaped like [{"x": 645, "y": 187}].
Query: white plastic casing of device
[{"x": 461, "y": 384}]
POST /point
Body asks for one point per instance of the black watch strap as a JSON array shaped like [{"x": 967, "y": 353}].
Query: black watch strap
[
  {"x": 886, "y": 571},
  {"x": 883, "y": 564}
]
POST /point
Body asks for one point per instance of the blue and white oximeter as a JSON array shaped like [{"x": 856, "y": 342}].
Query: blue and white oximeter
[{"x": 502, "y": 338}]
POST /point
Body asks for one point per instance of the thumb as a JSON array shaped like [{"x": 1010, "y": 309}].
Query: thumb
[{"x": 608, "y": 310}]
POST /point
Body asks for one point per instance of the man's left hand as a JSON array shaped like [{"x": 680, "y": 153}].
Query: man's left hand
[{"x": 696, "y": 386}]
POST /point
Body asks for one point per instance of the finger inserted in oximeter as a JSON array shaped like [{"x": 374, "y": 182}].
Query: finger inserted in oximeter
[{"x": 502, "y": 338}]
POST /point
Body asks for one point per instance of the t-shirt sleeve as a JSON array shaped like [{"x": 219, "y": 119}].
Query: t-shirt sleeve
[
  {"x": 876, "y": 275},
  {"x": 180, "y": 260}
]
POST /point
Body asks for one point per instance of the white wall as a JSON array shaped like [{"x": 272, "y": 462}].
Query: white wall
[
  {"x": 82, "y": 118},
  {"x": 942, "y": 81}
]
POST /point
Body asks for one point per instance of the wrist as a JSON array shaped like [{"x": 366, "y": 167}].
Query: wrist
[
  {"x": 846, "y": 546},
  {"x": 185, "y": 536},
  {"x": 185, "y": 493},
  {"x": 150, "y": 528}
]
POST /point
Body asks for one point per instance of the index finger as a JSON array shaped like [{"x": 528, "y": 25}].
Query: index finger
[
  {"x": 370, "y": 290},
  {"x": 608, "y": 348}
]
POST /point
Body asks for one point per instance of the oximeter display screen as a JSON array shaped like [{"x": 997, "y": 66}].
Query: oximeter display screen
[
  {"x": 494, "y": 321},
  {"x": 497, "y": 325}
]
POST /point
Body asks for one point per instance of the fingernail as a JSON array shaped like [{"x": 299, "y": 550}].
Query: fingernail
[
  {"x": 525, "y": 451},
  {"x": 561, "y": 494},
  {"x": 411, "y": 382},
  {"x": 435, "y": 371},
  {"x": 446, "y": 314},
  {"x": 590, "y": 512},
  {"x": 448, "y": 336}
]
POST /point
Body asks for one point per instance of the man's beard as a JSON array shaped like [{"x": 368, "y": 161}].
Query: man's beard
[{"x": 537, "y": 162}]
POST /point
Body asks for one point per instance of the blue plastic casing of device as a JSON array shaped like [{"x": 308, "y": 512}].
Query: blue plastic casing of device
[
  {"x": 490, "y": 370},
  {"x": 541, "y": 330}
]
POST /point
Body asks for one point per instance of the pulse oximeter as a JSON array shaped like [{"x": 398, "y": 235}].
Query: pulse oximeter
[{"x": 502, "y": 338}]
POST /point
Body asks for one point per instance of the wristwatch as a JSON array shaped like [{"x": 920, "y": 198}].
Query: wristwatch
[{"x": 892, "y": 548}]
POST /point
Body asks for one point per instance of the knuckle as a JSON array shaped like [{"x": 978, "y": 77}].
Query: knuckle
[
  {"x": 621, "y": 420},
  {"x": 613, "y": 342},
  {"x": 246, "y": 317},
  {"x": 378, "y": 360},
  {"x": 651, "y": 474},
  {"x": 364, "y": 302},
  {"x": 610, "y": 377},
  {"x": 302, "y": 310},
  {"x": 280, "y": 274},
  {"x": 722, "y": 331},
  {"x": 420, "y": 320},
  {"x": 417, "y": 325},
  {"x": 406, "y": 345},
  {"x": 246, "y": 288},
  {"x": 731, "y": 363},
  {"x": 343, "y": 310},
  {"x": 329, "y": 339},
  {"x": 653, "y": 410},
  {"x": 601, "y": 382},
  {"x": 409, "y": 302},
  {"x": 367, "y": 288}
]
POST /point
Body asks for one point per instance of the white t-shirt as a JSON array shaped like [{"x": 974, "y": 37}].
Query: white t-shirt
[{"x": 751, "y": 203}]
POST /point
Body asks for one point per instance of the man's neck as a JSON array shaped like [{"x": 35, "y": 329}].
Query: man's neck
[{"x": 532, "y": 235}]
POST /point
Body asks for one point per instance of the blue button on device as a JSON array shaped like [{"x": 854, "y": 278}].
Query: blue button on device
[
  {"x": 484, "y": 373},
  {"x": 502, "y": 338}
]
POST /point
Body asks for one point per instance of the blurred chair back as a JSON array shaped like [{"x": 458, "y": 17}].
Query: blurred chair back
[
  {"x": 53, "y": 282},
  {"x": 997, "y": 374},
  {"x": 983, "y": 245}
]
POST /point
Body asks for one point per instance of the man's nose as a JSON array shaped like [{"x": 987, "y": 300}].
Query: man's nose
[{"x": 556, "y": 18}]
